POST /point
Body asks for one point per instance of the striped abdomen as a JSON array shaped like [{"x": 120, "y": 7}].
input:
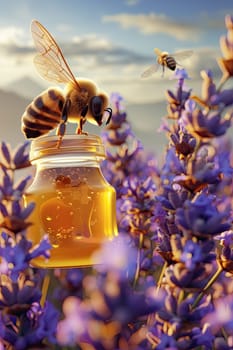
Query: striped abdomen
[
  {"x": 171, "y": 63},
  {"x": 43, "y": 114}
]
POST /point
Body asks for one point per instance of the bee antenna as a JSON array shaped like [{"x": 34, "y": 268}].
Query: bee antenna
[{"x": 109, "y": 110}]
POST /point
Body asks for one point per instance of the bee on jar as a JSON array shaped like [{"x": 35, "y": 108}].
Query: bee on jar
[
  {"x": 80, "y": 101},
  {"x": 165, "y": 59}
]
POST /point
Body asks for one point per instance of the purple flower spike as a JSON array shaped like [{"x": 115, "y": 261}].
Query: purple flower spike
[
  {"x": 41, "y": 249},
  {"x": 5, "y": 151},
  {"x": 191, "y": 255},
  {"x": 117, "y": 255},
  {"x": 116, "y": 101},
  {"x": 201, "y": 218},
  {"x": 222, "y": 316},
  {"x": 206, "y": 125},
  {"x": 21, "y": 156},
  {"x": 226, "y": 42},
  {"x": 224, "y": 97},
  {"x": 180, "y": 74},
  {"x": 226, "y": 45},
  {"x": 165, "y": 282}
]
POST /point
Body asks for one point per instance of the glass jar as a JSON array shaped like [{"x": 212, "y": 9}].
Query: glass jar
[{"x": 75, "y": 205}]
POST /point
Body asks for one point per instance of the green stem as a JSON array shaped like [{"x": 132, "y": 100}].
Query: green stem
[
  {"x": 207, "y": 287},
  {"x": 45, "y": 287},
  {"x": 181, "y": 296},
  {"x": 224, "y": 333},
  {"x": 191, "y": 163},
  {"x": 138, "y": 260},
  {"x": 159, "y": 283},
  {"x": 223, "y": 80}
]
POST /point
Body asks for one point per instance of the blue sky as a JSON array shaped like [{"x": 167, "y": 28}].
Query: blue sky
[{"x": 112, "y": 41}]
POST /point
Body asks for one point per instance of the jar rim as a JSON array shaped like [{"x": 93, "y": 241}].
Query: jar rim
[{"x": 71, "y": 143}]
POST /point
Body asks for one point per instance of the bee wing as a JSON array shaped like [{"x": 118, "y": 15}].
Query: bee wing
[
  {"x": 50, "y": 71},
  {"x": 182, "y": 55},
  {"x": 50, "y": 62},
  {"x": 150, "y": 70}
]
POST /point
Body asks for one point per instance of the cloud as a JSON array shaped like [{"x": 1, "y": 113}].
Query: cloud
[
  {"x": 94, "y": 52},
  {"x": 204, "y": 58},
  {"x": 101, "y": 50},
  {"x": 132, "y": 2},
  {"x": 14, "y": 42},
  {"x": 155, "y": 24},
  {"x": 90, "y": 49},
  {"x": 113, "y": 67},
  {"x": 12, "y": 35}
]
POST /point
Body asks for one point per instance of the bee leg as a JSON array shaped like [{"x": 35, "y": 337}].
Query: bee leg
[
  {"x": 82, "y": 121},
  {"x": 163, "y": 70},
  {"x": 109, "y": 110},
  {"x": 64, "y": 117}
]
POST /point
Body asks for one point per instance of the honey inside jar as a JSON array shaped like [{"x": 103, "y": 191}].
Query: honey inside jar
[{"x": 76, "y": 207}]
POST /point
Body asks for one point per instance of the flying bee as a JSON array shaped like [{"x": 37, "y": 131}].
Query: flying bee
[
  {"x": 80, "y": 101},
  {"x": 165, "y": 59}
]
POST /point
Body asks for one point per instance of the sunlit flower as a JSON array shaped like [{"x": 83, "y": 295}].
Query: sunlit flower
[
  {"x": 225, "y": 250},
  {"x": 184, "y": 142},
  {"x": 226, "y": 45},
  {"x": 208, "y": 92},
  {"x": 206, "y": 124}
]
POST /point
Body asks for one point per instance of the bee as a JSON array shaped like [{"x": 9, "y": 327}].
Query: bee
[
  {"x": 80, "y": 101},
  {"x": 165, "y": 59}
]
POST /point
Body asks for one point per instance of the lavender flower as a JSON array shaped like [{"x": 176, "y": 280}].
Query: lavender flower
[
  {"x": 24, "y": 325},
  {"x": 138, "y": 203},
  {"x": 201, "y": 217},
  {"x": 16, "y": 254},
  {"x": 208, "y": 91},
  {"x": 206, "y": 125},
  {"x": 118, "y": 256},
  {"x": 184, "y": 142},
  {"x": 191, "y": 255},
  {"x": 160, "y": 283},
  {"x": 17, "y": 159},
  {"x": 225, "y": 250},
  {"x": 178, "y": 98},
  {"x": 221, "y": 316},
  {"x": 176, "y": 326},
  {"x": 226, "y": 45},
  {"x": 111, "y": 305}
]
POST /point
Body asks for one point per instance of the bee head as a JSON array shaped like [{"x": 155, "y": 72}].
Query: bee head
[{"x": 97, "y": 106}]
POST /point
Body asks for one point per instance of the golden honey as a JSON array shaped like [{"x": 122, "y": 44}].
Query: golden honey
[{"x": 75, "y": 205}]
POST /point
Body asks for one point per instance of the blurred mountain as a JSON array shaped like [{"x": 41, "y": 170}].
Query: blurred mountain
[
  {"x": 25, "y": 86},
  {"x": 145, "y": 120},
  {"x": 12, "y": 107}
]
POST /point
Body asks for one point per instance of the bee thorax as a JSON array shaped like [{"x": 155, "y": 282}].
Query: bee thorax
[{"x": 78, "y": 102}]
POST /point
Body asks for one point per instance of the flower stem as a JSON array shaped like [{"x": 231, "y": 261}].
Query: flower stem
[
  {"x": 207, "y": 287},
  {"x": 138, "y": 260},
  {"x": 45, "y": 287},
  {"x": 161, "y": 276},
  {"x": 223, "y": 80}
]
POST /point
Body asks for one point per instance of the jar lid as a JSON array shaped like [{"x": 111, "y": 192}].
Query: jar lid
[{"x": 48, "y": 146}]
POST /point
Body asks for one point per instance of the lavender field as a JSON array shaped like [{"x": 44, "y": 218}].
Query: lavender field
[{"x": 166, "y": 281}]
